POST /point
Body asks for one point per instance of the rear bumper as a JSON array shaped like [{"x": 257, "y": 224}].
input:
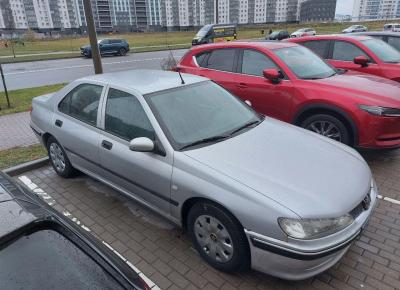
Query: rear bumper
[{"x": 294, "y": 261}]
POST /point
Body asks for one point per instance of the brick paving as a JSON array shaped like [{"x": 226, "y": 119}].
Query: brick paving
[
  {"x": 15, "y": 131},
  {"x": 164, "y": 254}
]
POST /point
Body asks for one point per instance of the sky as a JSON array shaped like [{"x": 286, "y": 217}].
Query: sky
[{"x": 344, "y": 7}]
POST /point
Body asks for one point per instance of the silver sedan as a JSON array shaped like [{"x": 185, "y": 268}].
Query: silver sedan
[{"x": 250, "y": 190}]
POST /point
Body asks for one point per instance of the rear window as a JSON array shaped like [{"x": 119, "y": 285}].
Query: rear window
[
  {"x": 320, "y": 47},
  {"x": 47, "y": 260}
]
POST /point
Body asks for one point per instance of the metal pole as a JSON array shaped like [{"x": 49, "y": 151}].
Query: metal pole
[
  {"x": 98, "y": 68},
  {"x": 5, "y": 87}
]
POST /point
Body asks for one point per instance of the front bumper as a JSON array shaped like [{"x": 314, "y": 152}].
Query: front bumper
[
  {"x": 380, "y": 132},
  {"x": 295, "y": 260}
]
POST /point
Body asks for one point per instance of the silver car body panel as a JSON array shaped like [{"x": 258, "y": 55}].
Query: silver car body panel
[{"x": 273, "y": 170}]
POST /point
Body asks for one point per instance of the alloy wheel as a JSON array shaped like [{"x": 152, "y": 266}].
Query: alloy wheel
[
  {"x": 213, "y": 238},
  {"x": 57, "y": 157},
  {"x": 327, "y": 129}
]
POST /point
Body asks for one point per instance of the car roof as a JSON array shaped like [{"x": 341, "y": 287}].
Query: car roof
[
  {"x": 332, "y": 36},
  {"x": 268, "y": 44},
  {"x": 144, "y": 81}
]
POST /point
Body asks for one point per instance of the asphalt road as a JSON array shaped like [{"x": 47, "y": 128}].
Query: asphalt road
[{"x": 39, "y": 73}]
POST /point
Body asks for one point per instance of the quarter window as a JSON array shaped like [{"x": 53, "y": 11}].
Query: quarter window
[
  {"x": 395, "y": 42},
  {"x": 222, "y": 59},
  {"x": 82, "y": 103},
  {"x": 255, "y": 62},
  {"x": 346, "y": 51},
  {"x": 125, "y": 117},
  {"x": 319, "y": 47}
]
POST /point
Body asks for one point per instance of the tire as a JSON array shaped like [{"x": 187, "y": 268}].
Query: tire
[
  {"x": 328, "y": 126},
  {"x": 235, "y": 254},
  {"x": 122, "y": 52},
  {"x": 59, "y": 159}
]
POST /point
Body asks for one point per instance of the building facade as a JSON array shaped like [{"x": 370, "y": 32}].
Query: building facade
[
  {"x": 376, "y": 10},
  {"x": 317, "y": 10}
]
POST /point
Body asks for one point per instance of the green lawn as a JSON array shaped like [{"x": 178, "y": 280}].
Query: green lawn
[
  {"x": 21, "y": 100},
  {"x": 144, "y": 41},
  {"x": 18, "y": 155}
]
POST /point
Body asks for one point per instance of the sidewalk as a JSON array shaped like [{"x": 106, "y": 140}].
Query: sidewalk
[{"x": 15, "y": 131}]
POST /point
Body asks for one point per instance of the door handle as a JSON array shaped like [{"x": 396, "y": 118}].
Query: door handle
[
  {"x": 242, "y": 86},
  {"x": 58, "y": 123},
  {"x": 106, "y": 144}
]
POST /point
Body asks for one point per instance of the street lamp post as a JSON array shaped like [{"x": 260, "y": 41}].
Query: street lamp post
[{"x": 98, "y": 68}]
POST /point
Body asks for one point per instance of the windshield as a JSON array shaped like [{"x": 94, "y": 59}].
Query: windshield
[
  {"x": 201, "y": 111},
  {"x": 203, "y": 31},
  {"x": 304, "y": 63},
  {"x": 384, "y": 51}
]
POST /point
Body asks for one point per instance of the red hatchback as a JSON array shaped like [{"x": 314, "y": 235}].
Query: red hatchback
[
  {"x": 289, "y": 82},
  {"x": 360, "y": 53}
]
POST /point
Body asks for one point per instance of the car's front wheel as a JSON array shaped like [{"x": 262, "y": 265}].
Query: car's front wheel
[
  {"x": 218, "y": 237},
  {"x": 122, "y": 51},
  {"x": 59, "y": 159},
  {"x": 328, "y": 126}
]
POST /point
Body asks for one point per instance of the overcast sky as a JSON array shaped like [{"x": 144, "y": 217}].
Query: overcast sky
[{"x": 344, "y": 7}]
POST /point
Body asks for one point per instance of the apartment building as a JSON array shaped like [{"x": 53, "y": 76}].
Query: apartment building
[
  {"x": 376, "y": 9},
  {"x": 317, "y": 10}
]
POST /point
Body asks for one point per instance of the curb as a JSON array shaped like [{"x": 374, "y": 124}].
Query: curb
[{"x": 27, "y": 166}]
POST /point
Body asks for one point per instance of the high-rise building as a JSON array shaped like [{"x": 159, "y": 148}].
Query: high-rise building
[
  {"x": 317, "y": 10},
  {"x": 376, "y": 9}
]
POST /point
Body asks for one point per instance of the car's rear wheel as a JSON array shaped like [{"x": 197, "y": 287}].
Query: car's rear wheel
[
  {"x": 59, "y": 159},
  {"x": 122, "y": 51},
  {"x": 218, "y": 237},
  {"x": 328, "y": 126}
]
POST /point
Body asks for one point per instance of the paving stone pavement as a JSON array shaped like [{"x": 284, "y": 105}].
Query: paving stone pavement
[
  {"x": 15, "y": 131},
  {"x": 166, "y": 256}
]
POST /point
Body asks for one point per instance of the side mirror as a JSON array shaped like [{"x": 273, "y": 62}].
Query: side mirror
[
  {"x": 272, "y": 75},
  {"x": 141, "y": 144},
  {"x": 361, "y": 60}
]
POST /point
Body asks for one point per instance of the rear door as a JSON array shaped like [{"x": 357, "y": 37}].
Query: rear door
[
  {"x": 342, "y": 56},
  {"x": 220, "y": 65},
  {"x": 274, "y": 100},
  {"x": 76, "y": 122},
  {"x": 143, "y": 175}
]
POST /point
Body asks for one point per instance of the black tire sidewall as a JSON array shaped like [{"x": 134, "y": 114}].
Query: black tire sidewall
[
  {"x": 344, "y": 131},
  {"x": 122, "y": 51},
  {"x": 241, "y": 257},
  {"x": 68, "y": 170}
]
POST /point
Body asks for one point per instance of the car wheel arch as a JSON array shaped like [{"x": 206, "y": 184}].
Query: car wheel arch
[
  {"x": 45, "y": 137},
  {"x": 313, "y": 109}
]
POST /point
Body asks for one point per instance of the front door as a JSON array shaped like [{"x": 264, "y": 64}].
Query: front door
[{"x": 145, "y": 175}]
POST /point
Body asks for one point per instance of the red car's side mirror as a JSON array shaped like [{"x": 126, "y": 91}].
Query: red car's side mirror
[
  {"x": 361, "y": 60},
  {"x": 272, "y": 75}
]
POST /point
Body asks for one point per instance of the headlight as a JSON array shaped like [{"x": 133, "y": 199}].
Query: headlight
[
  {"x": 308, "y": 229},
  {"x": 380, "y": 111}
]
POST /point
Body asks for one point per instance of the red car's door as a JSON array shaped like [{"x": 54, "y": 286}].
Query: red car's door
[
  {"x": 274, "y": 100},
  {"x": 343, "y": 54}
]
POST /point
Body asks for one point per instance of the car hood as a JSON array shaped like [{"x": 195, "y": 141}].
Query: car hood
[
  {"x": 370, "y": 88},
  {"x": 86, "y": 47},
  {"x": 311, "y": 175}
]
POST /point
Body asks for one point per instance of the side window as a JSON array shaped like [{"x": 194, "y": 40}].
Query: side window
[
  {"x": 82, "y": 103},
  {"x": 395, "y": 42},
  {"x": 201, "y": 59},
  {"x": 222, "y": 59},
  {"x": 255, "y": 62},
  {"x": 319, "y": 47},
  {"x": 125, "y": 116},
  {"x": 346, "y": 51}
]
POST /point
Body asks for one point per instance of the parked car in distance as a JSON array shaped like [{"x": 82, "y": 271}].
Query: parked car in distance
[
  {"x": 392, "y": 38},
  {"x": 211, "y": 33},
  {"x": 355, "y": 28},
  {"x": 42, "y": 249},
  {"x": 205, "y": 160},
  {"x": 278, "y": 35},
  {"x": 290, "y": 83},
  {"x": 359, "y": 53},
  {"x": 109, "y": 46},
  {"x": 304, "y": 32},
  {"x": 394, "y": 27}
]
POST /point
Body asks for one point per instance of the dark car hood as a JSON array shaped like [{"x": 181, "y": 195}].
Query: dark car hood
[
  {"x": 309, "y": 174},
  {"x": 368, "y": 87}
]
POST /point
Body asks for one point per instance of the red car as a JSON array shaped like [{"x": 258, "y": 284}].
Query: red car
[
  {"x": 291, "y": 83},
  {"x": 360, "y": 53}
]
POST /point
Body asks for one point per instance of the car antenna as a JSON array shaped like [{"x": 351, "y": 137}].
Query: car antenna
[{"x": 172, "y": 57}]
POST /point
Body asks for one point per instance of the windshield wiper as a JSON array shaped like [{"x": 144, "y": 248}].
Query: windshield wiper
[
  {"x": 205, "y": 140},
  {"x": 249, "y": 124}
]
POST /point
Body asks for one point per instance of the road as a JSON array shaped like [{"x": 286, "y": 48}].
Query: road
[{"x": 38, "y": 73}]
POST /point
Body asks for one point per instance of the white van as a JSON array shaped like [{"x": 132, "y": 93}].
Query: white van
[{"x": 395, "y": 27}]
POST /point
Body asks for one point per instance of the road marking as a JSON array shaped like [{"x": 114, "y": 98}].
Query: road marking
[
  {"x": 51, "y": 201},
  {"x": 86, "y": 65}
]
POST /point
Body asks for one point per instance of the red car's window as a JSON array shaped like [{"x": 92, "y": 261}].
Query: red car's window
[{"x": 346, "y": 51}]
